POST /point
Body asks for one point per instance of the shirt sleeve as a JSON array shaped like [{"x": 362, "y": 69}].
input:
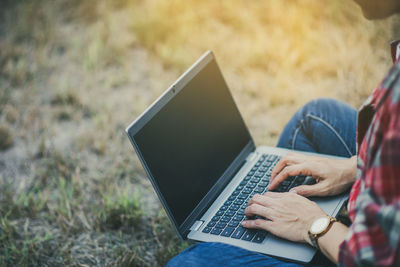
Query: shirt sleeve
[{"x": 374, "y": 236}]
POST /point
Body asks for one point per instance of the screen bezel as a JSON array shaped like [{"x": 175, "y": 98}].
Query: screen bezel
[{"x": 150, "y": 112}]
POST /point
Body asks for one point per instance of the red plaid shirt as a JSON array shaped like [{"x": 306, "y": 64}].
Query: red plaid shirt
[{"x": 374, "y": 204}]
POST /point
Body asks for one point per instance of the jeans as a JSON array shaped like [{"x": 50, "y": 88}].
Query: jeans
[{"x": 324, "y": 126}]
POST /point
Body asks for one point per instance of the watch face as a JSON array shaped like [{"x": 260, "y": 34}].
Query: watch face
[{"x": 319, "y": 225}]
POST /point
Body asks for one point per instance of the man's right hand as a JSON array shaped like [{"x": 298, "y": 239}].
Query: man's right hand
[{"x": 333, "y": 176}]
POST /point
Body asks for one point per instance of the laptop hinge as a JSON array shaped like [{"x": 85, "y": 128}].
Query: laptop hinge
[{"x": 196, "y": 226}]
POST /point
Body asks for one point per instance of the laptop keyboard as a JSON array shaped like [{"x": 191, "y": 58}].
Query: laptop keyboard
[{"x": 226, "y": 222}]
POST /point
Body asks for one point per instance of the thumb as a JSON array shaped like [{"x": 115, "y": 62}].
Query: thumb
[{"x": 308, "y": 190}]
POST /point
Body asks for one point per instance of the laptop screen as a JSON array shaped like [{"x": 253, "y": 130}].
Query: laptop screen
[{"x": 192, "y": 140}]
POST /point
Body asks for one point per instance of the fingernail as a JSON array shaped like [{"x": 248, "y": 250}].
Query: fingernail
[{"x": 244, "y": 223}]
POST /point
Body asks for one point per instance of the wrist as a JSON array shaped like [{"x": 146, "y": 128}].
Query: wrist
[
  {"x": 306, "y": 236},
  {"x": 349, "y": 169},
  {"x": 319, "y": 228}
]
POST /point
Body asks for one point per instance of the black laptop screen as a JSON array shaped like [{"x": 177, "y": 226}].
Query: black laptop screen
[{"x": 192, "y": 140}]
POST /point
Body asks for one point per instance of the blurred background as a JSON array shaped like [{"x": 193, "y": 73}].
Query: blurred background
[{"x": 74, "y": 74}]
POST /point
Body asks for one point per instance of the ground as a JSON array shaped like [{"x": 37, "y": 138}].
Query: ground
[{"x": 74, "y": 74}]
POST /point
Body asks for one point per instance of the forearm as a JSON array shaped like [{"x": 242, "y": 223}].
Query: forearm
[{"x": 330, "y": 242}]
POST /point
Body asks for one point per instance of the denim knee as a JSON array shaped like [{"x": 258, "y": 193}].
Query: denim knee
[
  {"x": 306, "y": 130},
  {"x": 318, "y": 106}
]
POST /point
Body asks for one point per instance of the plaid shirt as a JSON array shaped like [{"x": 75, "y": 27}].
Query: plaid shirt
[{"x": 374, "y": 203}]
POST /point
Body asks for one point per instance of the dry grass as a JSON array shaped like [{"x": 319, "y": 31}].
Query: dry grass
[
  {"x": 73, "y": 74},
  {"x": 276, "y": 55}
]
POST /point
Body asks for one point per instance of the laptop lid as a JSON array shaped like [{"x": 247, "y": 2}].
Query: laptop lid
[{"x": 191, "y": 141}]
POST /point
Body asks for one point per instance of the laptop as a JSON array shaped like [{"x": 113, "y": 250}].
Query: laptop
[{"x": 204, "y": 166}]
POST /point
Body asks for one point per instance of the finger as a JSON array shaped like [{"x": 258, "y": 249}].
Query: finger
[
  {"x": 309, "y": 190},
  {"x": 256, "y": 209},
  {"x": 273, "y": 195},
  {"x": 292, "y": 170},
  {"x": 282, "y": 163},
  {"x": 259, "y": 224},
  {"x": 260, "y": 199}
]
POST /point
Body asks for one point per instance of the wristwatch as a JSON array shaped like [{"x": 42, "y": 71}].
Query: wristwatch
[{"x": 319, "y": 227}]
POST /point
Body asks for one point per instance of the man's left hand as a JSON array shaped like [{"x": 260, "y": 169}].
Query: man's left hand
[{"x": 287, "y": 215}]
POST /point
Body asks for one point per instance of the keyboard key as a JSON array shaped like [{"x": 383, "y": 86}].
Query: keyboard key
[
  {"x": 239, "y": 201},
  {"x": 239, "y": 232},
  {"x": 234, "y": 207},
  {"x": 211, "y": 224},
  {"x": 263, "y": 169},
  {"x": 207, "y": 229},
  {"x": 223, "y": 208},
  {"x": 247, "y": 178},
  {"x": 278, "y": 189},
  {"x": 225, "y": 219},
  {"x": 291, "y": 178},
  {"x": 259, "y": 189},
  {"x": 231, "y": 198},
  {"x": 249, "y": 235},
  {"x": 243, "y": 183},
  {"x": 251, "y": 173},
  {"x": 240, "y": 198},
  {"x": 228, "y": 203},
  {"x": 220, "y": 225},
  {"x": 255, "y": 180},
  {"x": 233, "y": 223},
  {"x": 251, "y": 185},
  {"x": 309, "y": 181},
  {"x": 259, "y": 174},
  {"x": 267, "y": 164},
  {"x": 239, "y": 187},
  {"x": 240, "y": 211},
  {"x": 259, "y": 237},
  {"x": 216, "y": 231},
  {"x": 263, "y": 184},
  {"x": 300, "y": 179},
  {"x": 257, "y": 164},
  {"x": 220, "y": 213},
  {"x": 229, "y": 213},
  {"x": 238, "y": 217},
  {"x": 216, "y": 218},
  {"x": 228, "y": 231},
  {"x": 235, "y": 193},
  {"x": 246, "y": 191},
  {"x": 254, "y": 168}
]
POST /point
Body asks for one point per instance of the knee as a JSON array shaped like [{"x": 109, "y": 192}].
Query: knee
[{"x": 318, "y": 105}]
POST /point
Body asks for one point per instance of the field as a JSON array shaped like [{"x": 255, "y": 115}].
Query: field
[{"x": 74, "y": 74}]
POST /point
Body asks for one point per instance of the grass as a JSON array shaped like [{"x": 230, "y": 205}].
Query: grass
[
  {"x": 284, "y": 53},
  {"x": 274, "y": 55},
  {"x": 73, "y": 74},
  {"x": 6, "y": 138}
]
